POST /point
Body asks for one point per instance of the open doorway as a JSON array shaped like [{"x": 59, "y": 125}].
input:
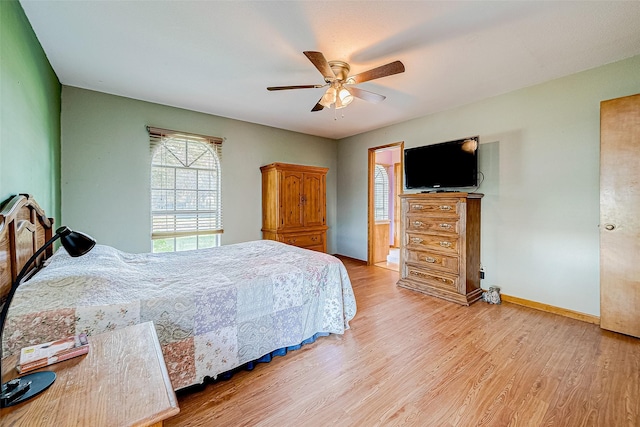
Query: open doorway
[{"x": 385, "y": 185}]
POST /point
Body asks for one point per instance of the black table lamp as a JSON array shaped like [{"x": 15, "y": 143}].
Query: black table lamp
[{"x": 30, "y": 385}]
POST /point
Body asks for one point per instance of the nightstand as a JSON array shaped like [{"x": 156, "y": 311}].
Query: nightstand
[{"x": 123, "y": 381}]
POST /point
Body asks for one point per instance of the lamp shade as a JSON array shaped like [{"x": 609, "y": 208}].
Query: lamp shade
[
  {"x": 75, "y": 242},
  {"x": 329, "y": 97},
  {"x": 345, "y": 96}
]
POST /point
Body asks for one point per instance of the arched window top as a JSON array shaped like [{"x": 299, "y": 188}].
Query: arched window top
[{"x": 187, "y": 153}]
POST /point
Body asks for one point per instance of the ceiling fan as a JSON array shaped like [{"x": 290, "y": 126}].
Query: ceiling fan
[{"x": 341, "y": 90}]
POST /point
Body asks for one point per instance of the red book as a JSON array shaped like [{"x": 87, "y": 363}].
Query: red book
[{"x": 45, "y": 354}]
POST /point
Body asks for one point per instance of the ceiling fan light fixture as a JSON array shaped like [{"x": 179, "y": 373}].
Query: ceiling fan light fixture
[
  {"x": 329, "y": 97},
  {"x": 336, "y": 76},
  {"x": 345, "y": 96}
]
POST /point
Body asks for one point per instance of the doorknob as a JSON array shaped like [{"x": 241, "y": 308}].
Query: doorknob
[{"x": 609, "y": 227}]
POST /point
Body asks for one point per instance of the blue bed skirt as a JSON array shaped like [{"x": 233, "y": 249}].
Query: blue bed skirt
[{"x": 252, "y": 364}]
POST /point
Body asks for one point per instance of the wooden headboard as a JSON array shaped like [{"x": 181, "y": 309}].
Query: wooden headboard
[{"x": 24, "y": 228}]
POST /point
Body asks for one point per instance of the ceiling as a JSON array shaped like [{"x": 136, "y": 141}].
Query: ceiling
[{"x": 218, "y": 57}]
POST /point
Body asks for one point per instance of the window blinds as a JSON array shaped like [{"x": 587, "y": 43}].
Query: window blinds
[
  {"x": 185, "y": 184},
  {"x": 381, "y": 194}
]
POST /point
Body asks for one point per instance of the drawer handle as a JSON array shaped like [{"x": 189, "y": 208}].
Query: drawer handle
[
  {"x": 445, "y": 207},
  {"x": 418, "y": 223},
  {"x": 428, "y": 276},
  {"x": 445, "y": 226},
  {"x": 291, "y": 241},
  {"x": 417, "y": 273},
  {"x": 314, "y": 239},
  {"x": 416, "y": 240},
  {"x": 445, "y": 244},
  {"x": 417, "y": 207},
  {"x": 430, "y": 259}
]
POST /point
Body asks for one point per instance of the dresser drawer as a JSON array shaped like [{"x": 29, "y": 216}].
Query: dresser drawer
[
  {"x": 434, "y": 207},
  {"x": 428, "y": 224},
  {"x": 302, "y": 240},
  {"x": 433, "y": 260},
  {"x": 432, "y": 278},
  {"x": 448, "y": 244}
]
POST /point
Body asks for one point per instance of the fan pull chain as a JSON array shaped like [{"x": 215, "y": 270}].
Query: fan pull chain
[{"x": 335, "y": 114}]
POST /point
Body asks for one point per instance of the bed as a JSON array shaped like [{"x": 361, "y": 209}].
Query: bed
[{"x": 214, "y": 309}]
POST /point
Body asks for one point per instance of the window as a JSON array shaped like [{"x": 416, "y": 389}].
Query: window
[
  {"x": 186, "y": 207},
  {"x": 381, "y": 194}
]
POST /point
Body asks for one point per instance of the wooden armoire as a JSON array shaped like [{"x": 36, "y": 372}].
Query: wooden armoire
[{"x": 294, "y": 205}]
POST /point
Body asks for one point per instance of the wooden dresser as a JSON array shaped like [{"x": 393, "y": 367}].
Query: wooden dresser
[
  {"x": 294, "y": 205},
  {"x": 440, "y": 245}
]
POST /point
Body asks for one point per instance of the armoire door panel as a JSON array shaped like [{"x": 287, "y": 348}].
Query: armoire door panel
[
  {"x": 314, "y": 199},
  {"x": 291, "y": 199}
]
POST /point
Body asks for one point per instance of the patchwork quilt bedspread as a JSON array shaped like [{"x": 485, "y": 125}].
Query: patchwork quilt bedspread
[{"x": 213, "y": 309}]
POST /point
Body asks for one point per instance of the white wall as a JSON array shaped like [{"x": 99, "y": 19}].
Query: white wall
[
  {"x": 106, "y": 166},
  {"x": 539, "y": 153}
]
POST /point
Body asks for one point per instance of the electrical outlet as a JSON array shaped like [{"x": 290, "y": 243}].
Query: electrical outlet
[{"x": 481, "y": 273}]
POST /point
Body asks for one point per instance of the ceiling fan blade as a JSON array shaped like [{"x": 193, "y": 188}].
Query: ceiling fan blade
[
  {"x": 321, "y": 63},
  {"x": 378, "y": 72},
  {"x": 294, "y": 87},
  {"x": 317, "y": 107},
  {"x": 366, "y": 95}
]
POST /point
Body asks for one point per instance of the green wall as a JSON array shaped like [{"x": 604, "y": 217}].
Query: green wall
[
  {"x": 106, "y": 166},
  {"x": 29, "y": 114},
  {"x": 539, "y": 153}
]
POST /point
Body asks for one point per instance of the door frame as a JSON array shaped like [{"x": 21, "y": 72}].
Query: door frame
[{"x": 371, "y": 170}]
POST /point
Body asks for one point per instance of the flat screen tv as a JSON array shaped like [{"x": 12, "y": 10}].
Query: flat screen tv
[{"x": 446, "y": 165}]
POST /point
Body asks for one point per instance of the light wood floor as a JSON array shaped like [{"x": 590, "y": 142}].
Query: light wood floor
[
  {"x": 388, "y": 265},
  {"x": 415, "y": 360}
]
